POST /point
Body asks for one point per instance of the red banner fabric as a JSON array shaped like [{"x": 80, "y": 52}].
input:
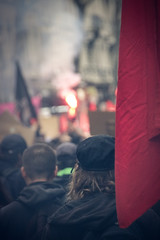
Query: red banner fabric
[{"x": 137, "y": 163}]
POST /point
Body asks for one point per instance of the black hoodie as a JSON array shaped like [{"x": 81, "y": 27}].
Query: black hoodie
[
  {"x": 93, "y": 217},
  {"x": 16, "y": 218}
]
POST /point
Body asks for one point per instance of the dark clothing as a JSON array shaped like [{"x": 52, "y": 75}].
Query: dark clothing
[
  {"x": 156, "y": 207},
  {"x": 5, "y": 197},
  {"x": 93, "y": 217},
  {"x": 18, "y": 219},
  {"x": 14, "y": 183},
  {"x": 63, "y": 181},
  {"x": 11, "y": 180},
  {"x": 147, "y": 226},
  {"x": 86, "y": 219}
]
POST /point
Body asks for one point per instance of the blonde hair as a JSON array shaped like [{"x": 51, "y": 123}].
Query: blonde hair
[{"x": 84, "y": 182}]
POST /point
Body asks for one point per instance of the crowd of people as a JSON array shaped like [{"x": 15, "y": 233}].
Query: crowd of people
[{"x": 64, "y": 189}]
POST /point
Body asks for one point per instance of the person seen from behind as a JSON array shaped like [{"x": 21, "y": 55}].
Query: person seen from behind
[
  {"x": 90, "y": 211},
  {"x": 23, "y": 218},
  {"x": 66, "y": 158},
  {"x": 12, "y": 147}
]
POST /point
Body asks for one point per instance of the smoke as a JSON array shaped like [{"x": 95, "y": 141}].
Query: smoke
[
  {"x": 49, "y": 38},
  {"x": 45, "y": 37}
]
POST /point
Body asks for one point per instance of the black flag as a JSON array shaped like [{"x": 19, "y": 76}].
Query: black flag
[{"x": 26, "y": 110}]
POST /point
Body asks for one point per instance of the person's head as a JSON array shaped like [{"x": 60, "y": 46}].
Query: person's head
[
  {"x": 66, "y": 155},
  {"x": 55, "y": 142},
  {"x": 38, "y": 163},
  {"x": 94, "y": 170},
  {"x": 12, "y": 147}
]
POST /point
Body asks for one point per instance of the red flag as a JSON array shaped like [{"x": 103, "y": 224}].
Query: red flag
[{"x": 137, "y": 164}]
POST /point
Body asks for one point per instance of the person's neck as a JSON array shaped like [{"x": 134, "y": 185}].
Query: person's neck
[{"x": 29, "y": 181}]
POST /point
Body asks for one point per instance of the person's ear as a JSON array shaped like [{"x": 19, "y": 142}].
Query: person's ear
[
  {"x": 55, "y": 171},
  {"x": 23, "y": 172},
  {"x": 24, "y": 175}
]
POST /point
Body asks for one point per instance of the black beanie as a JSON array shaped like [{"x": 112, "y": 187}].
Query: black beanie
[{"x": 96, "y": 153}]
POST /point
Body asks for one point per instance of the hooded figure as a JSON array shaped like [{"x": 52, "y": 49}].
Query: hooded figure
[{"x": 25, "y": 216}]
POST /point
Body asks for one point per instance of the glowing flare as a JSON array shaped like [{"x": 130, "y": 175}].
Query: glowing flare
[{"x": 71, "y": 100}]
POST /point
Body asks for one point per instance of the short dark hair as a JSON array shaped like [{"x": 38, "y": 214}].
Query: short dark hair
[{"x": 39, "y": 161}]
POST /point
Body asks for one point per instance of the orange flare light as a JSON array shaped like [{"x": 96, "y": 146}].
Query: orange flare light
[{"x": 71, "y": 100}]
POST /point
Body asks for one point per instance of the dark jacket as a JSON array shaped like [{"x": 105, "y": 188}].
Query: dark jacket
[
  {"x": 18, "y": 220},
  {"x": 11, "y": 179},
  {"x": 93, "y": 217},
  {"x": 63, "y": 181}
]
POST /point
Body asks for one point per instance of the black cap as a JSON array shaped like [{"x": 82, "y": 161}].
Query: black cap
[
  {"x": 96, "y": 153},
  {"x": 13, "y": 144}
]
